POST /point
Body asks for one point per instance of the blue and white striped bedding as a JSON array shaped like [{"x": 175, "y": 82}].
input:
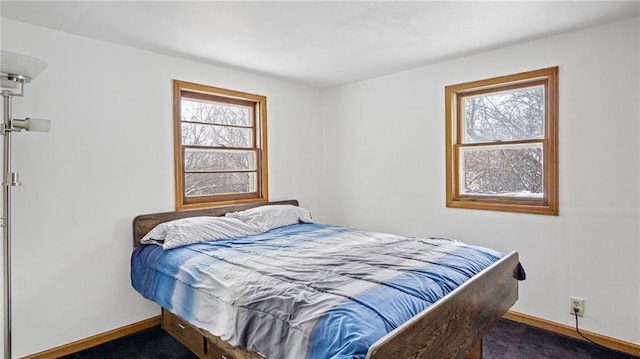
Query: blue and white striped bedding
[{"x": 305, "y": 290}]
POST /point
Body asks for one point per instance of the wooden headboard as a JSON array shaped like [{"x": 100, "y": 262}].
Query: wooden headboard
[{"x": 143, "y": 223}]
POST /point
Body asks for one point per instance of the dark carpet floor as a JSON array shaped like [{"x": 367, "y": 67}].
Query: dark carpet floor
[
  {"x": 506, "y": 340},
  {"x": 514, "y": 340}
]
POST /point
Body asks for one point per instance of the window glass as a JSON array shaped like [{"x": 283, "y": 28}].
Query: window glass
[
  {"x": 504, "y": 116},
  {"x": 510, "y": 170},
  {"x": 214, "y": 112}
]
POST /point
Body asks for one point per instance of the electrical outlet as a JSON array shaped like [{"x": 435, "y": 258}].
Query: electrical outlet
[{"x": 577, "y": 303}]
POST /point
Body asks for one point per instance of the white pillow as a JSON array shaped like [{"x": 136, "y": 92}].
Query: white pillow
[
  {"x": 272, "y": 216},
  {"x": 181, "y": 232}
]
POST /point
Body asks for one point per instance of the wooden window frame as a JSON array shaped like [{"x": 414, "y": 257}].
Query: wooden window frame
[
  {"x": 258, "y": 104},
  {"x": 548, "y": 204}
]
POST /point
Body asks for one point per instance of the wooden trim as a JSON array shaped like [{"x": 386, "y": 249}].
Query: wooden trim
[
  {"x": 212, "y": 98},
  {"x": 569, "y": 331},
  {"x": 97, "y": 339},
  {"x": 221, "y": 92},
  {"x": 263, "y": 158},
  {"x": 454, "y": 94},
  {"x": 258, "y": 106},
  {"x": 178, "y": 150},
  {"x": 498, "y": 82},
  {"x": 227, "y": 202}
]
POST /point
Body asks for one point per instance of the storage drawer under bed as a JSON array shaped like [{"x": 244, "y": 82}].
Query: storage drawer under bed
[{"x": 192, "y": 337}]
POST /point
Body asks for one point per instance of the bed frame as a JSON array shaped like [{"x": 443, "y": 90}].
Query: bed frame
[{"x": 452, "y": 327}]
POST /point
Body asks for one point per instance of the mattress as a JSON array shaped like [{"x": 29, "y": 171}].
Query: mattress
[{"x": 305, "y": 290}]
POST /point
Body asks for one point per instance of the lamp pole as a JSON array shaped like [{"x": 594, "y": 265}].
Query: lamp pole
[{"x": 7, "y": 183}]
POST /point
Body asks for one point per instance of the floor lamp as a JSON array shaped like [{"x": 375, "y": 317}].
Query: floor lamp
[{"x": 15, "y": 71}]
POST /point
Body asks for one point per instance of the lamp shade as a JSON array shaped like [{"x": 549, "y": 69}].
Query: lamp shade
[{"x": 20, "y": 67}]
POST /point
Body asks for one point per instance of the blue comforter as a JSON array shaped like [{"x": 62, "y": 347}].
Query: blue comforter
[{"x": 305, "y": 290}]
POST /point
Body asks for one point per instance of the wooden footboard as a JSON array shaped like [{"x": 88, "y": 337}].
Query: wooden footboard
[{"x": 454, "y": 325}]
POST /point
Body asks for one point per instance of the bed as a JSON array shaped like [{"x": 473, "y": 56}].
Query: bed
[{"x": 448, "y": 327}]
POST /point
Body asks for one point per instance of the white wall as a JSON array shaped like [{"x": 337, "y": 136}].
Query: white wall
[
  {"x": 108, "y": 158},
  {"x": 384, "y": 158}
]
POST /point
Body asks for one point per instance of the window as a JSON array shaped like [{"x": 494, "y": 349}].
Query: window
[
  {"x": 220, "y": 143},
  {"x": 501, "y": 143}
]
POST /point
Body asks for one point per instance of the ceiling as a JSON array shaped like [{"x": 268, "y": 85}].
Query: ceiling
[{"x": 317, "y": 43}]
